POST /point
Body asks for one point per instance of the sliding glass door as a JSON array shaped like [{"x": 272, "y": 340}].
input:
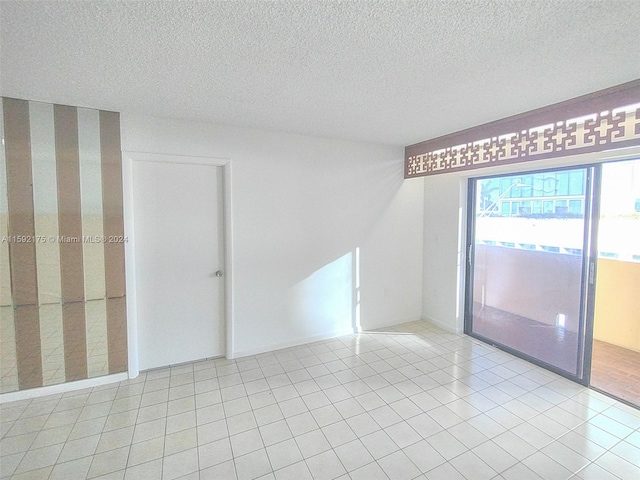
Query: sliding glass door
[
  {"x": 615, "y": 363},
  {"x": 528, "y": 236}
]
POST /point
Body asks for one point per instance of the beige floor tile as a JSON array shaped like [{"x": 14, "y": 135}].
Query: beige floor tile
[
  {"x": 215, "y": 453},
  {"x": 146, "y": 451},
  {"x": 226, "y": 470},
  {"x": 109, "y": 462},
  {"x": 115, "y": 439},
  {"x": 181, "y": 421},
  {"x": 152, "y": 412},
  {"x": 379, "y": 406},
  {"x": 252, "y": 465},
  {"x": 87, "y": 428},
  {"x": 72, "y": 470},
  {"x": 120, "y": 420},
  {"x": 180, "y": 441},
  {"x": 180, "y": 464},
  {"x": 75, "y": 449},
  {"x": 39, "y": 458},
  {"x": 16, "y": 444},
  {"x": 325, "y": 465},
  {"x": 211, "y": 432},
  {"x": 38, "y": 474},
  {"x": 148, "y": 430},
  {"x": 27, "y": 425},
  {"x": 181, "y": 405},
  {"x": 146, "y": 471},
  {"x": 9, "y": 463}
]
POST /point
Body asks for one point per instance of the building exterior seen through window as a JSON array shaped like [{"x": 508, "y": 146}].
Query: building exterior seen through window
[
  {"x": 542, "y": 195},
  {"x": 536, "y": 211}
]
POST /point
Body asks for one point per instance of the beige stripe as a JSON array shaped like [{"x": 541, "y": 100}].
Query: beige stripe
[
  {"x": 8, "y": 362},
  {"x": 97, "y": 348},
  {"x": 91, "y": 194},
  {"x": 70, "y": 225},
  {"x": 28, "y": 346},
  {"x": 92, "y": 229},
  {"x": 45, "y": 201},
  {"x": 22, "y": 255},
  {"x": 114, "y": 247},
  {"x": 5, "y": 271},
  {"x": 52, "y": 339}
]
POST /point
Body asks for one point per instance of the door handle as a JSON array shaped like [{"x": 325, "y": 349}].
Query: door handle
[{"x": 219, "y": 273}]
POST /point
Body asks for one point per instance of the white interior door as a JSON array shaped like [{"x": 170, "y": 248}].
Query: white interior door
[{"x": 177, "y": 218}]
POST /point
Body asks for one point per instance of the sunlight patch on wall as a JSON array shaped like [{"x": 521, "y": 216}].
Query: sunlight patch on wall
[{"x": 325, "y": 299}]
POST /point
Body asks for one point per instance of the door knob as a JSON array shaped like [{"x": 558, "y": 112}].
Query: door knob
[{"x": 219, "y": 273}]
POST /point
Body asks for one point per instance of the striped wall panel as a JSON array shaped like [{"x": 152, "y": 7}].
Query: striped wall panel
[
  {"x": 62, "y": 293},
  {"x": 45, "y": 205},
  {"x": 8, "y": 361}
]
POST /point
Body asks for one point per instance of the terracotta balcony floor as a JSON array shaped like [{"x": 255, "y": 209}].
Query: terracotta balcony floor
[
  {"x": 553, "y": 345},
  {"x": 616, "y": 370}
]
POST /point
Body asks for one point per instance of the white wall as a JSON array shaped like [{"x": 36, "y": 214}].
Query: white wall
[
  {"x": 302, "y": 207},
  {"x": 444, "y": 200}
]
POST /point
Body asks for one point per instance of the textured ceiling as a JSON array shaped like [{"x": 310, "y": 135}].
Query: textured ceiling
[{"x": 390, "y": 72}]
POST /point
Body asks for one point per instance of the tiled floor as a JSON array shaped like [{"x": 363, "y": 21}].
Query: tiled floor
[
  {"x": 410, "y": 402},
  {"x": 616, "y": 370}
]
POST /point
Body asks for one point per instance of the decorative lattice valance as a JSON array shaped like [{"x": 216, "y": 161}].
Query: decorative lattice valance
[{"x": 604, "y": 120}]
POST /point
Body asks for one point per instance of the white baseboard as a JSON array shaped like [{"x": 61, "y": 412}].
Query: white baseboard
[
  {"x": 442, "y": 325},
  {"x": 293, "y": 343},
  {"x": 389, "y": 323},
  {"x": 323, "y": 336},
  {"x": 62, "y": 387}
]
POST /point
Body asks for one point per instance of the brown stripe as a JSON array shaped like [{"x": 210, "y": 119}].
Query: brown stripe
[
  {"x": 22, "y": 255},
  {"x": 75, "y": 345},
  {"x": 112, "y": 202},
  {"x": 117, "y": 334},
  {"x": 28, "y": 352},
  {"x": 20, "y": 200},
  {"x": 114, "y": 234},
  {"x": 69, "y": 210},
  {"x": 70, "y": 227}
]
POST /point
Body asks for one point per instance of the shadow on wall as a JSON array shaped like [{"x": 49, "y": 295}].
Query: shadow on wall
[
  {"x": 329, "y": 298},
  {"x": 326, "y": 302},
  {"x": 301, "y": 263}
]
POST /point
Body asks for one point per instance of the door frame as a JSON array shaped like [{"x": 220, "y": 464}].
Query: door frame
[
  {"x": 589, "y": 264},
  {"x": 591, "y": 274},
  {"x": 128, "y": 159}
]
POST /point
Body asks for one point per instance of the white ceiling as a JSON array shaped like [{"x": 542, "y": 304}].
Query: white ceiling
[{"x": 390, "y": 72}]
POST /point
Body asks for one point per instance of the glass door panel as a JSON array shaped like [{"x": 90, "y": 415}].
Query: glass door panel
[
  {"x": 615, "y": 363},
  {"x": 524, "y": 287}
]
